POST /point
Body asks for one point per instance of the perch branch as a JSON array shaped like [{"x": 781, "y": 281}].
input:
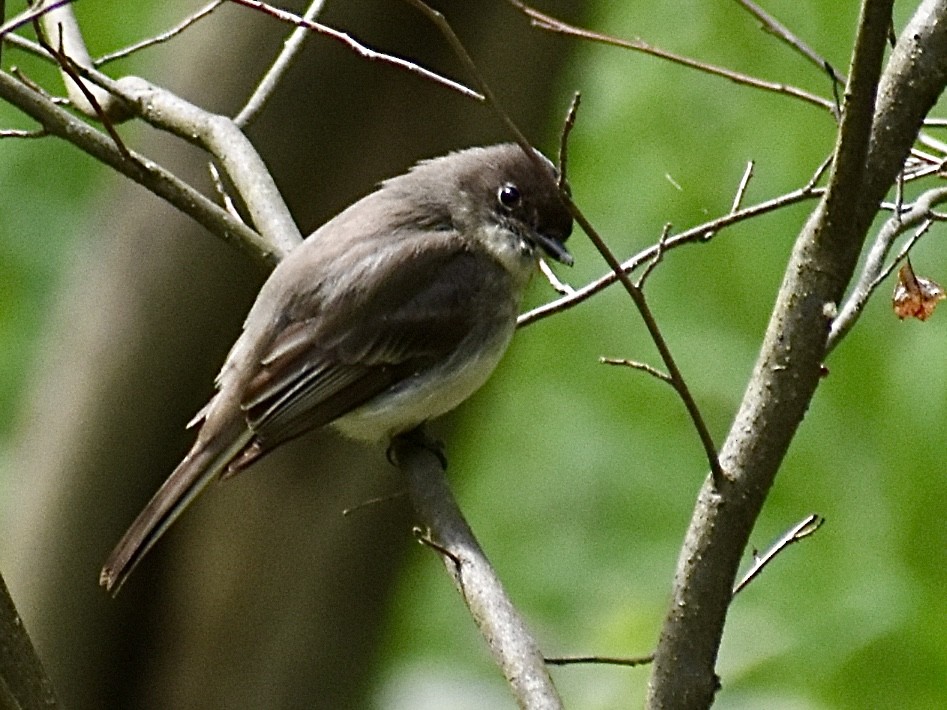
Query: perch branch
[{"x": 513, "y": 647}]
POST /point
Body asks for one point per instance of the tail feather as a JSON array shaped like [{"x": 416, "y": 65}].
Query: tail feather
[{"x": 204, "y": 462}]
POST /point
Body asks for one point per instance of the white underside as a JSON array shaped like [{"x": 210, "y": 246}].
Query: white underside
[{"x": 427, "y": 395}]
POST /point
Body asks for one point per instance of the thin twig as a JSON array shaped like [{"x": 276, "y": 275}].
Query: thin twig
[
  {"x": 557, "y": 284},
  {"x": 637, "y": 365},
  {"x": 899, "y": 195},
  {"x": 423, "y": 536},
  {"x": 29, "y": 16},
  {"x": 693, "y": 235},
  {"x": 370, "y": 502},
  {"x": 874, "y": 270},
  {"x": 358, "y": 47},
  {"x": 741, "y": 188},
  {"x": 775, "y": 27},
  {"x": 797, "y": 532},
  {"x": 15, "y": 40},
  {"x": 778, "y": 29},
  {"x": 23, "y": 133},
  {"x": 567, "y": 127},
  {"x": 552, "y": 24},
  {"x": 658, "y": 255},
  {"x": 903, "y": 253},
  {"x": 68, "y": 66},
  {"x": 159, "y": 38},
  {"x": 27, "y": 81},
  {"x": 218, "y": 182},
  {"x": 602, "y": 660},
  {"x": 819, "y": 173},
  {"x": 291, "y": 49}
]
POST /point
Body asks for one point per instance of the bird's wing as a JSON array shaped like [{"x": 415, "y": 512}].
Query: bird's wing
[{"x": 370, "y": 335}]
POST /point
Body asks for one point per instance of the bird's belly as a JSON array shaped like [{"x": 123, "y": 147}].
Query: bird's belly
[{"x": 427, "y": 394}]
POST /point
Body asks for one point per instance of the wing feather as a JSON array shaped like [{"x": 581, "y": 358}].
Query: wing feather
[{"x": 371, "y": 335}]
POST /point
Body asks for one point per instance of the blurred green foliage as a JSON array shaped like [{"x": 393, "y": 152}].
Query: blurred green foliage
[{"x": 580, "y": 478}]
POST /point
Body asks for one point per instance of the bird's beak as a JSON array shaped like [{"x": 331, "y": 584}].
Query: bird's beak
[{"x": 554, "y": 248}]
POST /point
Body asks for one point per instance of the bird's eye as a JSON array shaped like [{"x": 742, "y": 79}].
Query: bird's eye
[{"x": 509, "y": 195}]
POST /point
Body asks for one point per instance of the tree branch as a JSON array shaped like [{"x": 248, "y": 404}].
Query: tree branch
[
  {"x": 869, "y": 154},
  {"x": 695, "y": 235},
  {"x": 23, "y": 681},
  {"x": 147, "y": 173},
  {"x": 552, "y": 24},
  {"x": 291, "y": 49},
  {"x": 98, "y": 95},
  {"x": 874, "y": 269},
  {"x": 512, "y": 645}
]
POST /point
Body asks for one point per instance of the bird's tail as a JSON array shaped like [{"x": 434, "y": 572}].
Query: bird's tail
[{"x": 205, "y": 461}]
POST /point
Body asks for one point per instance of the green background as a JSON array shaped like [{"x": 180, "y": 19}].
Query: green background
[{"x": 579, "y": 478}]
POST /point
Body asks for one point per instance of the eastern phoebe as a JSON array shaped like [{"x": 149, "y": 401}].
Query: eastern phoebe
[{"x": 390, "y": 314}]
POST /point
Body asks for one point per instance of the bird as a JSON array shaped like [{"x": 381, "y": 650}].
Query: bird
[{"x": 390, "y": 314}]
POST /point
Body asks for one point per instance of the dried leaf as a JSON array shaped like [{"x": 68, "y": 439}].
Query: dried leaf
[{"x": 914, "y": 296}]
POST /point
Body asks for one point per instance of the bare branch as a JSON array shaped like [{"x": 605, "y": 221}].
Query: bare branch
[
  {"x": 552, "y": 24},
  {"x": 291, "y": 49},
  {"x": 97, "y": 94},
  {"x": 512, "y": 645},
  {"x": 694, "y": 235},
  {"x": 62, "y": 31},
  {"x": 15, "y": 40},
  {"x": 800, "y": 531},
  {"x": 28, "y": 17},
  {"x": 59, "y": 122},
  {"x": 778, "y": 29},
  {"x": 874, "y": 271},
  {"x": 24, "y": 683},
  {"x": 100, "y": 95},
  {"x": 162, "y": 36},
  {"x": 68, "y": 68},
  {"x": 220, "y": 137},
  {"x": 880, "y": 121},
  {"x": 358, "y": 47}
]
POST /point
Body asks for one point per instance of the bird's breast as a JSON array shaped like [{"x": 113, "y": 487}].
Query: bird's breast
[{"x": 432, "y": 392}]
